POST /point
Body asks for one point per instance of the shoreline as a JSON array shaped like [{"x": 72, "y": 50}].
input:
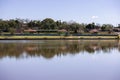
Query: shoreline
[{"x": 60, "y": 37}]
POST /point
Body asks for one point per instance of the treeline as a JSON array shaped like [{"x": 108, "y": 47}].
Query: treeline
[{"x": 50, "y": 24}]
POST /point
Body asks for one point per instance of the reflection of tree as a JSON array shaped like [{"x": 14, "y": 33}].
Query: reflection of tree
[
  {"x": 48, "y": 49},
  {"x": 11, "y": 50}
]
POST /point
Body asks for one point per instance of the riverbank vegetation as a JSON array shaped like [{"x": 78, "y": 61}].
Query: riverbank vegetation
[{"x": 48, "y": 25}]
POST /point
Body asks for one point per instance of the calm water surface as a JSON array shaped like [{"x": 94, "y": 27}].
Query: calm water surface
[{"x": 60, "y": 60}]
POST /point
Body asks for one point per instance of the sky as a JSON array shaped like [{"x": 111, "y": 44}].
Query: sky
[{"x": 81, "y": 11}]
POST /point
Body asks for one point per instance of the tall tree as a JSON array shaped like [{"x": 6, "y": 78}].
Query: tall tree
[
  {"x": 106, "y": 27},
  {"x": 48, "y": 23},
  {"x": 74, "y": 27},
  {"x": 90, "y": 26}
]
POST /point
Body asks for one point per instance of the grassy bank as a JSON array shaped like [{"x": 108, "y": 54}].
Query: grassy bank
[{"x": 57, "y": 37}]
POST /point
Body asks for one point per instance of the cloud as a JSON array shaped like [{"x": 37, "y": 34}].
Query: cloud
[{"x": 94, "y": 17}]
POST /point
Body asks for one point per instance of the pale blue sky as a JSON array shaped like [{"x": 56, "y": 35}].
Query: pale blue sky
[{"x": 82, "y": 11}]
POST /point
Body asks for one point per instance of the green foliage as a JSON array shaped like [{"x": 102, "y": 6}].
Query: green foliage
[
  {"x": 106, "y": 27},
  {"x": 50, "y": 24},
  {"x": 12, "y": 31},
  {"x": 74, "y": 27},
  {"x": 91, "y": 26},
  {"x": 34, "y": 23}
]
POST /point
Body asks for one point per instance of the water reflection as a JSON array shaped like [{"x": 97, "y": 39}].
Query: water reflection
[{"x": 49, "y": 49}]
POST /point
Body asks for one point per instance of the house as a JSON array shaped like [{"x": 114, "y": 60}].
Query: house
[
  {"x": 116, "y": 30},
  {"x": 62, "y": 30},
  {"x": 94, "y": 31},
  {"x": 30, "y": 31}
]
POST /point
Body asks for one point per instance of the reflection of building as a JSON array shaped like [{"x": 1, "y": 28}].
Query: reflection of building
[
  {"x": 31, "y": 48},
  {"x": 95, "y": 47}
]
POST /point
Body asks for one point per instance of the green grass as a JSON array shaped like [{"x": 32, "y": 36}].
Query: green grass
[{"x": 58, "y": 37}]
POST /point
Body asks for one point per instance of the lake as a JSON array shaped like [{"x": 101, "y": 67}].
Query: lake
[{"x": 59, "y": 60}]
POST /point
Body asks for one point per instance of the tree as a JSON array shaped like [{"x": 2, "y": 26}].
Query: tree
[
  {"x": 59, "y": 24},
  {"x": 106, "y": 27},
  {"x": 74, "y": 27},
  {"x": 31, "y": 24},
  {"x": 12, "y": 31},
  {"x": 4, "y": 26},
  {"x": 48, "y": 23},
  {"x": 36, "y": 24},
  {"x": 90, "y": 26},
  {"x": 12, "y": 23},
  {"x": 65, "y": 26}
]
